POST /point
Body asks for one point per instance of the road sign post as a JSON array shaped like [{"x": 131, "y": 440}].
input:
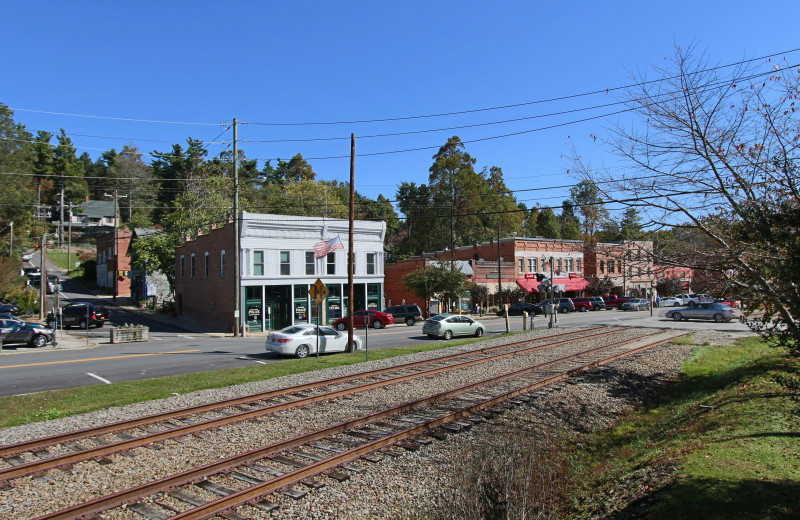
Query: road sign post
[{"x": 319, "y": 292}]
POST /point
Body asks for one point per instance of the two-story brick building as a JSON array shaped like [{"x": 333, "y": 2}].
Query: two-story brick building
[
  {"x": 278, "y": 265},
  {"x": 108, "y": 266},
  {"x": 627, "y": 264}
]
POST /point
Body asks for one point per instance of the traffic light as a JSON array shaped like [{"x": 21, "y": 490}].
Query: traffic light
[{"x": 539, "y": 277}]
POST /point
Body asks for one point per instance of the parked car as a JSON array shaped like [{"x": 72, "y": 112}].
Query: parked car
[
  {"x": 33, "y": 334},
  {"x": 83, "y": 315},
  {"x": 613, "y": 301},
  {"x": 448, "y": 325},
  {"x": 703, "y": 311},
  {"x": 410, "y": 314},
  {"x": 376, "y": 319},
  {"x": 585, "y": 304},
  {"x": 671, "y": 302},
  {"x": 9, "y": 308},
  {"x": 301, "y": 341},
  {"x": 53, "y": 284},
  {"x": 11, "y": 317},
  {"x": 518, "y": 308},
  {"x": 693, "y": 299},
  {"x": 563, "y": 305},
  {"x": 636, "y": 304},
  {"x": 730, "y": 302},
  {"x": 27, "y": 271}
]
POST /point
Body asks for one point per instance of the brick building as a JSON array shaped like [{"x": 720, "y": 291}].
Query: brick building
[
  {"x": 521, "y": 259},
  {"x": 627, "y": 264},
  {"x": 106, "y": 265},
  {"x": 278, "y": 265}
]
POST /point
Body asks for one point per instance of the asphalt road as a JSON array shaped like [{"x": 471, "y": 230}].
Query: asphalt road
[{"x": 169, "y": 352}]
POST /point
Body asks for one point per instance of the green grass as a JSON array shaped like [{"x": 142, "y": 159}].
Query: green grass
[
  {"x": 727, "y": 424},
  {"x": 44, "y": 406},
  {"x": 60, "y": 259}
]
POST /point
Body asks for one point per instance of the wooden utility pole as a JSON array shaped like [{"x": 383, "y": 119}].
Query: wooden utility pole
[
  {"x": 237, "y": 275},
  {"x": 350, "y": 249}
]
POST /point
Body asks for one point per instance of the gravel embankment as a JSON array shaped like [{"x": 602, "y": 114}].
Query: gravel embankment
[{"x": 393, "y": 488}]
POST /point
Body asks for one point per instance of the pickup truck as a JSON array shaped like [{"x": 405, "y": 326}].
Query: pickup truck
[{"x": 693, "y": 299}]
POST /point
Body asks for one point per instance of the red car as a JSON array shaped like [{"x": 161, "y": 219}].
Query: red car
[{"x": 377, "y": 320}]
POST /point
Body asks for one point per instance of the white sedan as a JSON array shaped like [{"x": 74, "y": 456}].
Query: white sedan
[
  {"x": 301, "y": 340},
  {"x": 671, "y": 302}
]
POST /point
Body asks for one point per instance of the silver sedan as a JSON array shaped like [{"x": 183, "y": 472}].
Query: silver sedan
[
  {"x": 448, "y": 325},
  {"x": 302, "y": 340},
  {"x": 703, "y": 311}
]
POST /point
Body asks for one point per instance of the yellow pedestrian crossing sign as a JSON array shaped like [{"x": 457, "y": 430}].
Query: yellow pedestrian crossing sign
[{"x": 318, "y": 291}]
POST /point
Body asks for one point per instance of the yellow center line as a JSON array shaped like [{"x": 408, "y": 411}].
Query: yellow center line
[{"x": 97, "y": 359}]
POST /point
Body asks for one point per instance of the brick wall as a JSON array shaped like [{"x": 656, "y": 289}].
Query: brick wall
[
  {"x": 208, "y": 300},
  {"x": 106, "y": 241}
]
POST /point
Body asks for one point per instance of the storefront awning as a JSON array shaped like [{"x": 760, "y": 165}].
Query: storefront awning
[{"x": 531, "y": 285}]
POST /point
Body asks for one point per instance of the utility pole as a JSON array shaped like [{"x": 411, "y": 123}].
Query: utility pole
[
  {"x": 69, "y": 239},
  {"x": 43, "y": 278},
  {"x": 499, "y": 278},
  {"x": 61, "y": 215},
  {"x": 11, "y": 243},
  {"x": 237, "y": 274},
  {"x": 350, "y": 345},
  {"x": 552, "y": 295}
]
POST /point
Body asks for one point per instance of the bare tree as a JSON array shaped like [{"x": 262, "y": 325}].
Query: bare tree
[{"x": 711, "y": 156}]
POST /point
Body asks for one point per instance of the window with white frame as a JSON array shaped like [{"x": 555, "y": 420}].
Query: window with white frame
[
  {"x": 258, "y": 263},
  {"x": 191, "y": 266},
  {"x": 331, "y": 263},
  {"x": 610, "y": 266},
  {"x": 558, "y": 265},
  {"x": 521, "y": 265},
  {"x": 311, "y": 263},
  {"x": 222, "y": 264},
  {"x": 285, "y": 266},
  {"x": 181, "y": 266},
  {"x": 578, "y": 264},
  {"x": 205, "y": 264},
  {"x": 370, "y": 263}
]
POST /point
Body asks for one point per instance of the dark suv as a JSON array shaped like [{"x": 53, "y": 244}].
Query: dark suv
[
  {"x": 83, "y": 315},
  {"x": 410, "y": 314},
  {"x": 563, "y": 305},
  {"x": 518, "y": 308}
]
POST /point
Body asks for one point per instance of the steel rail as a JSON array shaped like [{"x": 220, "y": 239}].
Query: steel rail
[
  {"x": 41, "y": 443},
  {"x": 101, "y": 504},
  {"x": 40, "y": 467}
]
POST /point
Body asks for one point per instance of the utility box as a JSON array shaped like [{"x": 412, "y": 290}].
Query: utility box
[{"x": 549, "y": 308}]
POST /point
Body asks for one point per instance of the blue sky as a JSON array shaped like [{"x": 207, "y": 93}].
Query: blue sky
[{"x": 203, "y": 63}]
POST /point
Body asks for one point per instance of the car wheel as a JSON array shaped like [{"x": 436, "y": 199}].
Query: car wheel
[
  {"x": 38, "y": 341},
  {"x": 448, "y": 334},
  {"x": 410, "y": 321},
  {"x": 719, "y": 318},
  {"x": 340, "y": 326},
  {"x": 584, "y": 309},
  {"x": 676, "y": 304},
  {"x": 563, "y": 310},
  {"x": 302, "y": 351},
  {"x": 692, "y": 304},
  {"x": 479, "y": 332},
  {"x": 84, "y": 324},
  {"x": 677, "y": 316},
  {"x": 377, "y": 324}
]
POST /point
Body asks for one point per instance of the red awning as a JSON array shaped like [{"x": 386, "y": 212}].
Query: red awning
[
  {"x": 529, "y": 285},
  {"x": 576, "y": 283}
]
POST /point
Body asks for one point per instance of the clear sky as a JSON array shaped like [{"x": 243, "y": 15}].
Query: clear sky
[{"x": 189, "y": 68}]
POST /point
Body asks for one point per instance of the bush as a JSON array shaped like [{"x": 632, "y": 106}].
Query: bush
[
  {"x": 89, "y": 270},
  {"x": 26, "y": 298}
]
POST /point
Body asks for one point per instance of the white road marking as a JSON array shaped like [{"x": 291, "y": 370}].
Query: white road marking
[
  {"x": 251, "y": 359},
  {"x": 187, "y": 337},
  {"x": 159, "y": 339},
  {"x": 106, "y": 381}
]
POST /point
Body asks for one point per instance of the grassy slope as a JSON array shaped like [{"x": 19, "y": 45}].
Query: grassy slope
[{"x": 723, "y": 442}]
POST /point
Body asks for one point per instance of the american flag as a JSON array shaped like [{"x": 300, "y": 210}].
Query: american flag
[{"x": 323, "y": 248}]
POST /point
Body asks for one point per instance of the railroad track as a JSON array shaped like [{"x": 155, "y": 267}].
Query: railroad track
[
  {"x": 191, "y": 421},
  {"x": 246, "y": 480}
]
